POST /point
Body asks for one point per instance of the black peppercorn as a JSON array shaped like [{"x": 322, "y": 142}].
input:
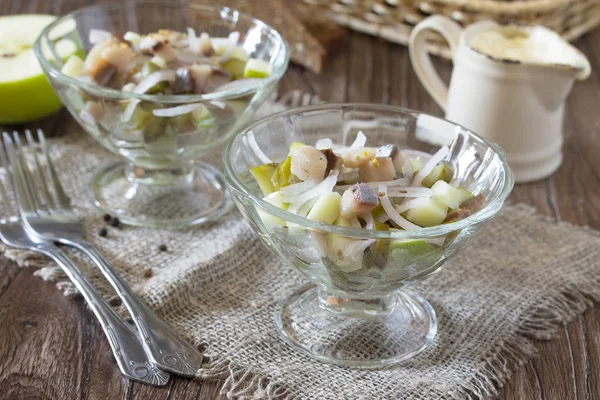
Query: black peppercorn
[
  {"x": 114, "y": 221},
  {"x": 162, "y": 247},
  {"x": 103, "y": 232},
  {"x": 107, "y": 217}
]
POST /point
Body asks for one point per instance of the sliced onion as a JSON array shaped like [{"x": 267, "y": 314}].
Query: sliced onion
[
  {"x": 193, "y": 41},
  {"x": 407, "y": 205},
  {"x": 368, "y": 217},
  {"x": 175, "y": 111},
  {"x": 392, "y": 213},
  {"x": 152, "y": 79},
  {"x": 99, "y": 36},
  {"x": 257, "y": 151},
  {"x": 241, "y": 84},
  {"x": 297, "y": 188},
  {"x": 355, "y": 248},
  {"x": 325, "y": 143},
  {"x": 431, "y": 163},
  {"x": 126, "y": 116},
  {"x": 410, "y": 191},
  {"x": 309, "y": 255},
  {"x": 326, "y": 185},
  {"x": 87, "y": 117},
  {"x": 306, "y": 207},
  {"x": 360, "y": 141}
]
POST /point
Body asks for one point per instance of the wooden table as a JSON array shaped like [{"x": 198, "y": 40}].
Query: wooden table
[{"x": 51, "y": 347}]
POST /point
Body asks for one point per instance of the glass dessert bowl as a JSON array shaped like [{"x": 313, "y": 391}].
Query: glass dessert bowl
[
  {"x": 357, "y": 310},
  {"x": 154, "y": 112}
]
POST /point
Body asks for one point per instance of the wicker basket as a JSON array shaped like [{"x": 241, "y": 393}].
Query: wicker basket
[{"x": 393, "y": 20}]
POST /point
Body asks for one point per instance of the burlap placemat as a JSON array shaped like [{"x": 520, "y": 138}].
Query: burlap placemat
[{"x": 218, "y": 286}]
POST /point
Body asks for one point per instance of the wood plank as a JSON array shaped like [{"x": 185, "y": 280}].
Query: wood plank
[
  {"x": 8, "y": 273},
  {"x": 524, "y": 385},
  {"x": 40, "y": 346}
]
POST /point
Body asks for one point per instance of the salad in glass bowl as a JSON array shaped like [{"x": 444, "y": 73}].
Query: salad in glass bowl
[
  {"x": 355, "y": 198},
  {"x": 162, "y": 84}
]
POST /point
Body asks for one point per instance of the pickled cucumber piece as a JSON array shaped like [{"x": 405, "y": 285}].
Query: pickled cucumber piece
[
  {"x": 282, "y": 175},
  {"x": 262, "y": 174},
  {"x": 257, "y": 68},
  {"x": 429, "y": 214},
  {"x": 326, "y": 209},
  {"x": 440, "y": 172}
]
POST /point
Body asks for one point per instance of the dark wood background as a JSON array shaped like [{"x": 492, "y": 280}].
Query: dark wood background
[{"x": 51, "y": 347}]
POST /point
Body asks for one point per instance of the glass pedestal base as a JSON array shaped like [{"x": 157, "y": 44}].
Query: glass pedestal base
[
  {"x": 364, "y": 333},
  {"x": 161, "y": 198}
]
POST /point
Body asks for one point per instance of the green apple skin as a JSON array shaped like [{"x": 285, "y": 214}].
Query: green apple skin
[{"x": 27, "y": 100}]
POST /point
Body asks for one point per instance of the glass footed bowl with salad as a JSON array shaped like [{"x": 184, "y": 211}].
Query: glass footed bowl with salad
[
  {"x": 162, "y": 84},
  {"x": 356, "y": 199}
]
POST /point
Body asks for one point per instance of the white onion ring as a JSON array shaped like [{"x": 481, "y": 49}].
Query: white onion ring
[
  {"x": 355, "y": 248},
  {"x": 241, "y": 84},
  {"x": 368, "y": 217},
  {"x": 392, "y": 213},
  {"x": 325, "y": 143},
  {"x": 360, "y": 141},
  {"x": 407, "y": 205},
  {"x": 126, "y": 116},
  {"x": 326, "y": 185},
  {"x": 297, "y": 188},
  {"x": 152, "y": 79},
  {"x": 175, "y": 111},
  {"x": 431, "y": 164}
]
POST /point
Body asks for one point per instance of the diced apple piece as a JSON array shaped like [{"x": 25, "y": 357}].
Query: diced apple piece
[
  {"x": 257, "y": 68},
  {"x": 448, "y": 195},
  {"x": 430, "y": 213},
  {"x": 73, "y": 67},
  {"x": 203, "y": 119},
  {"x": 336, "y": 245},
  {"x": 262, "y": 174},
  {"x": 237, "y": 62},
  {"x": 465, "y": 195},
  {"x": 326, "y": 209},
  {"x": 441, "y": 172}
]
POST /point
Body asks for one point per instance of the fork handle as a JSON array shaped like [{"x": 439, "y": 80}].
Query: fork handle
[
  {"x": 124, "y": 342},
  {"x": 166, "y": 349}
]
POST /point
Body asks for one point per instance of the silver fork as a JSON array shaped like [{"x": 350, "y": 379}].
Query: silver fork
[
  {"x": 56, "y": 221},
  {"x": 124, "y": 342}
]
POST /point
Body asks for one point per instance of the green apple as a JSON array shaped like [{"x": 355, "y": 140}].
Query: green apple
[
  {"x": 25, "y": 93},
  {"x": 431, "y": 213},
  {"x": 326, "y": 209},
  {"x": 257, "y": 68}
]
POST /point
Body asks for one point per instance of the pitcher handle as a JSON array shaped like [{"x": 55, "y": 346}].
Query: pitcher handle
[{"x": 420, "y": 59}]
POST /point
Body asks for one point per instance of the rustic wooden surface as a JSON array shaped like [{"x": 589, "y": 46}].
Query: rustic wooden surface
[{"x": 52, "y": 348}]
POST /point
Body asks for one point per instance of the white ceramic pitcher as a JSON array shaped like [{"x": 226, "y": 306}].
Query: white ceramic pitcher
[{"x": 517, "y": 104}]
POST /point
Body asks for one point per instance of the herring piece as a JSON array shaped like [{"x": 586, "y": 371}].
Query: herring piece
[
  {"x": 379, "y": 169},
  {"x": 357, "y": 199},
  {"x": 356, "y": 157},
  {"x": 391, "y": 151},
  {"x": 308, "y": 163},
  {"x": 466, "y": 209},
  {"x": 184, "y": 81}
]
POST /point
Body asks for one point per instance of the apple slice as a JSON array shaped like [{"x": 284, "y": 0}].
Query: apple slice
[
  {"x": 25, "y": 93},
  {"x": 326, "y": 209},
  {"x": 430, "y": 213},
  {"x": 257, "y": 68}
]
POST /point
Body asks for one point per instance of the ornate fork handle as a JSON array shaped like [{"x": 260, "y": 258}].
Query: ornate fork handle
[
  {"x": 164, "y": 347},
  {"x": 124, "y": 342}
]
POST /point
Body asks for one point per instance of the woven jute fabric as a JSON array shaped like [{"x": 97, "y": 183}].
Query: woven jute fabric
[{"x": 218, "y": 286}]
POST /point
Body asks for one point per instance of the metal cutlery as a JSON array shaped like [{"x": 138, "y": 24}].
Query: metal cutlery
[
  {"x": 124, "y": 342},
  {"x": 52, "y": 219}
]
